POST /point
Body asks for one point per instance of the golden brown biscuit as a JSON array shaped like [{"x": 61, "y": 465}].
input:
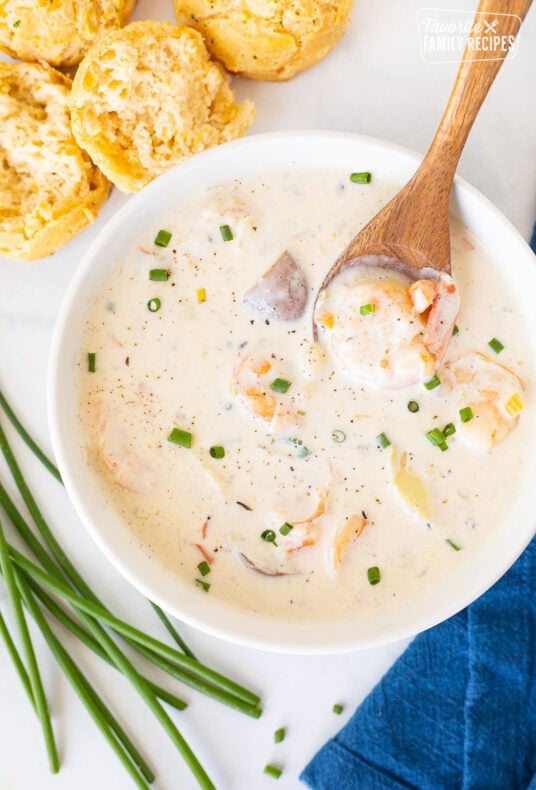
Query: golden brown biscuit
[
  {"x": 49, "y": 188},
  {"x": 267, "y": 39},
  {"x": 58, "y": 31},
  {"x": 147, "y": 96}
]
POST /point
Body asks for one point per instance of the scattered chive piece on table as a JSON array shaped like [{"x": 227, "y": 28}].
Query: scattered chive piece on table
[
  {"x": 154, "y": 305},
  {"x": 338, "y": 436},
  {"x": 437, "y": 437},
  {"x": 453, "y": 545},
  {"x": 203, "y": 568},
  {"x": 159, "y": 275},
  {"x": 496, "y": 345},
  {"x": 449, "y": 429},
  {"x": 280, "y": 385},
  {"x": 216, "y": 451},
  {"x": 338, "y": 708},
  {"x": 201, "y": 295},
  {"x": 366, "y": 309},
  {"x": 466, "y": 414},
  {"x": 91, "y": 362},
  {"x": 374, "y": 575},
  {"x": 413, "y": 406},
  {"x": 383, "y": 441},
  {"x": 204, "y": 585},
  {"x": 279, "y": 735},
  {"x": 360, "y": 178},
  {"x": 286, "y": 528},
  {"x": 455, "y": 330},
  {"x": 182, "y": 438},
  {"x": 269, "y": 536},
  {"x": 162, "y": 238},
  {"x": 432, "y": 383},
  {"x": 226, "y": 233},
  {"x": 271, "y": 770}
]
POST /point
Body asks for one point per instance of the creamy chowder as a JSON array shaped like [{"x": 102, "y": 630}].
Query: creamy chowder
[{"x": 277, "y": 473}]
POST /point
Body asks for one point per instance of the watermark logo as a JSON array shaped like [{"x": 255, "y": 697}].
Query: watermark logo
[{"x": 444, "y": 34}]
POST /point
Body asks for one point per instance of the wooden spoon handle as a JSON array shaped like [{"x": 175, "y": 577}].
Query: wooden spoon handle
[{"x": 493, "y": 31}]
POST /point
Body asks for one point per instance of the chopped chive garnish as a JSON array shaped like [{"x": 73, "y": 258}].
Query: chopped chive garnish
[
  {"x": 280, "y": 385},
  {"x": 496, "y": 345},
  {"x": 269, "y": 536},
  {"x": 304, "y": 452},
  {"x": 203, "y": 568},
  {"x": 16, "y": 23},
  {"x": 338, "y": 708},
  {"x": 455, "y": 330},
  {"x": 226, "y": 233},
  {"x": 466, "y": 414},
  {"x": 201, "y": 295},
  {"x": 413, "y": 406},
  {"x": 338, "y": 436},
  {"x": 449, "y": 429},
  {"x": 204, "y": 585},
  {"x": 382, "y": 440},
  {"x": 374, "y": 575},
  {"x": 366, "y": 309},
  {"x": 453, "y": 545},
  {"x": 432, "y": 383},
  {"x": 437, "y": 437},
  {"x": 163, "y": 237},
  {"x": 159, "y": 275},
  {"x": 91, "y": 361},
  {"x": 286, "y": 528},
  {"x": 360, "y": 178},
  {"x": 217, "y": 451},
  {"x": 182, "y": 438},
  {"x": 279, "y": 735},
  {"x": 154, "y": 305},
  {"x": 271, "y": 770}
]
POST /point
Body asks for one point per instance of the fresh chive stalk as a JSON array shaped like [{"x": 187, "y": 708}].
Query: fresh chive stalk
[
  {"x": 27, "y": 439},
  {"x": 16, "y": 659},
  {"x": 38, "y": 692}
]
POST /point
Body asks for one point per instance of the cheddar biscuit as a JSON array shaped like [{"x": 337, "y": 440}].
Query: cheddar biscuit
[
  {"x": 58, "y": 31},
  {"x": 148, "y": 95},
  {"x": 267, "y": 39},
  {"x": 49, "y": 188}
]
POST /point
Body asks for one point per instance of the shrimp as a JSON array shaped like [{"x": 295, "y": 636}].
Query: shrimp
[
  {"x": 303, "y": 532},
  {"x": 127, "y": 469},
  {"x": 345, "y": 535},
  {"x": 492, "y": 392},
  {"x": 386, "y": 333},
  {"x": 252, "y": 383}
]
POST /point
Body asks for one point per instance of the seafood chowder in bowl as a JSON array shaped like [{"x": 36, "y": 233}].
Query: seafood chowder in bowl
[{"x": 270, "y": 489}]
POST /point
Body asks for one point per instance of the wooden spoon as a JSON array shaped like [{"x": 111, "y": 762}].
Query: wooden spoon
[{"x": 412, "y": 232}]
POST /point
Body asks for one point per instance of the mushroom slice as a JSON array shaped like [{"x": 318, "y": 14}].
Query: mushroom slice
[
  {"x": 252, "y": 566},
  {"x": 281, "y": 292}
]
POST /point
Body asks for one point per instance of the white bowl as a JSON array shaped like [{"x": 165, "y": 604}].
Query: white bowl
[{"x": 507, "y": 250}]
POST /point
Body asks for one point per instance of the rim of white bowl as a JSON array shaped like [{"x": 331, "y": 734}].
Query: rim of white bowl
[{"x": 208, "y": 615}]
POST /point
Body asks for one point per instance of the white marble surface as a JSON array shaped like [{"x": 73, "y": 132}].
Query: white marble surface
[{"x": 375, "y": 83}]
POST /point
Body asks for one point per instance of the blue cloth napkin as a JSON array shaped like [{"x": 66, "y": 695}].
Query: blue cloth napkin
[{"x": 457, "y": 711}]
